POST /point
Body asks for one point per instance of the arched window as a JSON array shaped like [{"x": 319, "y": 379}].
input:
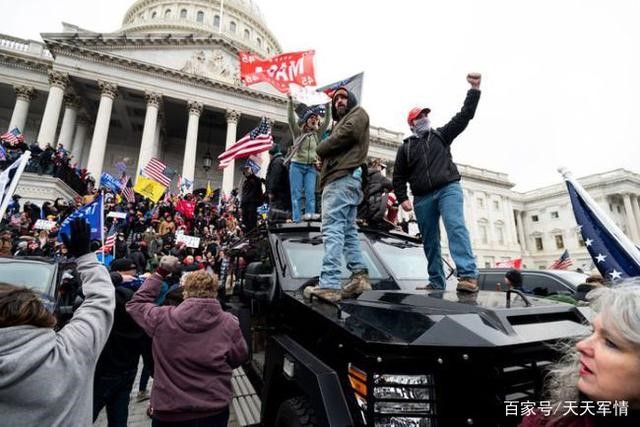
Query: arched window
[
  {"x": 259, "y": 40},
  {"x": 200, "y": 16},
  {"x": 167, "y": 13},
  {"x": 216, "y": 21},
  {"x": 183, "y": 14},
  {"x": 153, "y": 15},
  {"x": 247, "y": 34},
  {"x": 268, "y": 49},
  {"x": 232, "y": 27}
]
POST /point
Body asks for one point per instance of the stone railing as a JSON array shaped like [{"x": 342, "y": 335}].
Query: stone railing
[{"x": 30, "y": 47}]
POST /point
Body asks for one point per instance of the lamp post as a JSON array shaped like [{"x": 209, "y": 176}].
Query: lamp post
[{"x": 207, "y": 161}]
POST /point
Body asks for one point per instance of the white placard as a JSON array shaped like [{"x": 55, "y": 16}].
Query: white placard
[
  {"x": 119, "y": 215},
  {"x": 190, "y": 241},
  {"x": 43, "y": 224}
]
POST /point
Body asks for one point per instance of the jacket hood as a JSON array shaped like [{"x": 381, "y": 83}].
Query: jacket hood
[
  {"x": 195, "y": 315},
  {"x": 22, "y": 350},
  {"x": 352, "y": 102}
]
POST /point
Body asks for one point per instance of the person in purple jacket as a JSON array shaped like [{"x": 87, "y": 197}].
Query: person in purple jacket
[{"x": 196, "y": 346}]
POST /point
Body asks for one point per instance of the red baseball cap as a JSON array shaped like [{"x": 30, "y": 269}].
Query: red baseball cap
[{"x": 414, "y": 113}]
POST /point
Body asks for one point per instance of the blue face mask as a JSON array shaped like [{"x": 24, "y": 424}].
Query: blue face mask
[{"x": 421, "y": 126}]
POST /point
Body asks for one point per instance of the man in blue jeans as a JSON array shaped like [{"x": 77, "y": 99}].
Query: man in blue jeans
[
  {"x": 424, "y": 161},
  {"x": 343, "y": 156}
]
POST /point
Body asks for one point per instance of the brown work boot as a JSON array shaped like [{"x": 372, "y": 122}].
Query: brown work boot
[
  {"x": 358, "y": 283},
  {"x": 329, "y": 294},
  {"x": 467, "y": 284}
]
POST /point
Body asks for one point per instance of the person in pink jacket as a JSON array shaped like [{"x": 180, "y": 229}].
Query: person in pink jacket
[{"x": 196, "y": 346}]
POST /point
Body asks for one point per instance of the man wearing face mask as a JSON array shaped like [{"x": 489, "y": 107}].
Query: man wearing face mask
[{"x": 424, "y": 161}]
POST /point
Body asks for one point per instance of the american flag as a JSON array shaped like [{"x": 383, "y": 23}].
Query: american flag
[
  {"x": 13, "y": 136},
  {"x": 255, "y": 142},
  {"x": 563, "y": 262},
  {"x": 110, "y": 241},
  {"x": 158, "y": 171},
  {"x": 612, "y": 252},
  {"x": 127, "y": 189},
  {"x": 3, "y": 154}
]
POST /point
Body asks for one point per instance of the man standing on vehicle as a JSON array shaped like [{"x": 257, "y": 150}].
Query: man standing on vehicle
[
  {"x": 343, "y": 156},
  {"x": 424, "y": 161}
]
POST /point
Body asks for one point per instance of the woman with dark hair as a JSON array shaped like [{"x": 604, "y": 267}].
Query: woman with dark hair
[
  {"x": 46, "y": 377},
  {"x": 604, "y": 367}
]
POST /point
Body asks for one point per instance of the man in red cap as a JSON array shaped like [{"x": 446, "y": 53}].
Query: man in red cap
[{"x": 424, "y": 161}]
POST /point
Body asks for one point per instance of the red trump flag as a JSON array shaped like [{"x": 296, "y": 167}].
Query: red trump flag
[{"x": 279, "y": 71}]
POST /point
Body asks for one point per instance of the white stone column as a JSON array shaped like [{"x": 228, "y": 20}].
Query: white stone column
[
  {"x": 147, "y": 146},
  {"x": 108, "y": 93},
  {"x": 631, "y": 218},
  {"x": 79, "y": 138},
  {"x": 71, "y": 105},
  {"x": 49, "y": 124},
  {"x": 24, "y": 96},
  {"x": 191, "y": 144},
  {"x": 157, "y": 141},
  {"x": 524, "y": 245},
  {"x": 636, "y": 211},
  {"x": 232, "y": 126}
]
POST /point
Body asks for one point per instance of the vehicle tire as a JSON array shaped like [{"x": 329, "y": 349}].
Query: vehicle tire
[{"x": 296, "y": 412}]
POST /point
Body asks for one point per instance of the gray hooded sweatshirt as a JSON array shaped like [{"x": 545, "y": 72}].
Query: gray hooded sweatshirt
[{"x": 46, "y": 378}]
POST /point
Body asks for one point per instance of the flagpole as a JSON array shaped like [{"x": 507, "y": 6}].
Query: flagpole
[
  {"x": 102, "y": 222},
  {"x": 14, "y": 183}
]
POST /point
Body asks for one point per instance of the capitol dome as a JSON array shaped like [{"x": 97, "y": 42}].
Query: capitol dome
[{"x": 241, "y": 20}]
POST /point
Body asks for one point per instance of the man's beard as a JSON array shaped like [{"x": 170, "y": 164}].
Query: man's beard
[{"x": 342, "y": 110}]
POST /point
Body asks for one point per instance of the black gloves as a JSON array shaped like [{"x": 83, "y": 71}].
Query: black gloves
[{"x": 79, "y": 243}]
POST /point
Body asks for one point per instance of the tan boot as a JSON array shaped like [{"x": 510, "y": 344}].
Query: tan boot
[
  {"x": 329, "y": 294},
  {"x": 358, "y": 283},
  {"x": 467, "y": 284}
]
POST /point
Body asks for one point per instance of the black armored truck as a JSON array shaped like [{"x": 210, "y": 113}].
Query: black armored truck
[{"x": 399, "y": 355}]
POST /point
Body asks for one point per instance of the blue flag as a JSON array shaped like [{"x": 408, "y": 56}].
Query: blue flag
[
  {"x": 111, "y": 182},
  {"x": 613, "y": 253},
  {"x": 92, "y": 213}
]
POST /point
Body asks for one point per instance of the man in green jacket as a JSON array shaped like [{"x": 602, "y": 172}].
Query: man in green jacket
[
  {"x": 307, "y": 133},
  {"x": 343, "y": 156}
]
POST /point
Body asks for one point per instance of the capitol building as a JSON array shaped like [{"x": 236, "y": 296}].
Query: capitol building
[{"x": 167, "y": 84}]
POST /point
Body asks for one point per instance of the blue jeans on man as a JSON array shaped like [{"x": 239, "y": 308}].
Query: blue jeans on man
[
  {"x": 302, "y": 179},
  {"x": 340, "y": 200},
  {"x": 447, "y": 202}
]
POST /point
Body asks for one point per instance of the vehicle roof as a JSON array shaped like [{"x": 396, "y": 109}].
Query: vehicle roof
[{"x": 32, "y": 259}]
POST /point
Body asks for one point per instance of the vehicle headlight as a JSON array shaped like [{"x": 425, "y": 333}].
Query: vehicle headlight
[{"x": 395, "y": 400}]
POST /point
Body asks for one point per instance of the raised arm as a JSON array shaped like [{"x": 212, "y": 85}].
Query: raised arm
[
  {"x": 460, "y": 121},
  {"x": 88, "y": 330},
  {"x": 401, "y": 174},
  {"x": 142, "y": 307},
  {"x": 293, "y": 123}
]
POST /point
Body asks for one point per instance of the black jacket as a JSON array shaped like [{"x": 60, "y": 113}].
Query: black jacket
[
  {"x": 252, "y": 191},
  {"x": 126, "y": 340},
  {"x": 278, "y": 178},
  {"x": 426, "y": 163}
]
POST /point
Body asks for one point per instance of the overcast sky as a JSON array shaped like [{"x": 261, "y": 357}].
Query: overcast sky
[{"x": 560, "y": 78}]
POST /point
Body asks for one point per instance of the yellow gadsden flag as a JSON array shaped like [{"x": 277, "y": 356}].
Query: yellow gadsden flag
[
  {"x": 209, "y": 190},
  {"x": 149, "y": 188}
]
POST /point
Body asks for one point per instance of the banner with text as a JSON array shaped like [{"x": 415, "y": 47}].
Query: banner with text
[{"x": 279, "y": 71}]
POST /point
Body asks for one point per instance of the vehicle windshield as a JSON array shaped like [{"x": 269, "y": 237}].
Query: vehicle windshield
[
  {"x": 572, "y": 277},
  {"x": 406, "y": 260},
  {"x": 35, "y": 276},
  {"x": 305, "y": 258}
]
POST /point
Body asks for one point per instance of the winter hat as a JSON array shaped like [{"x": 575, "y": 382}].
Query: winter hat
[{"x": 122, "y": 264}]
